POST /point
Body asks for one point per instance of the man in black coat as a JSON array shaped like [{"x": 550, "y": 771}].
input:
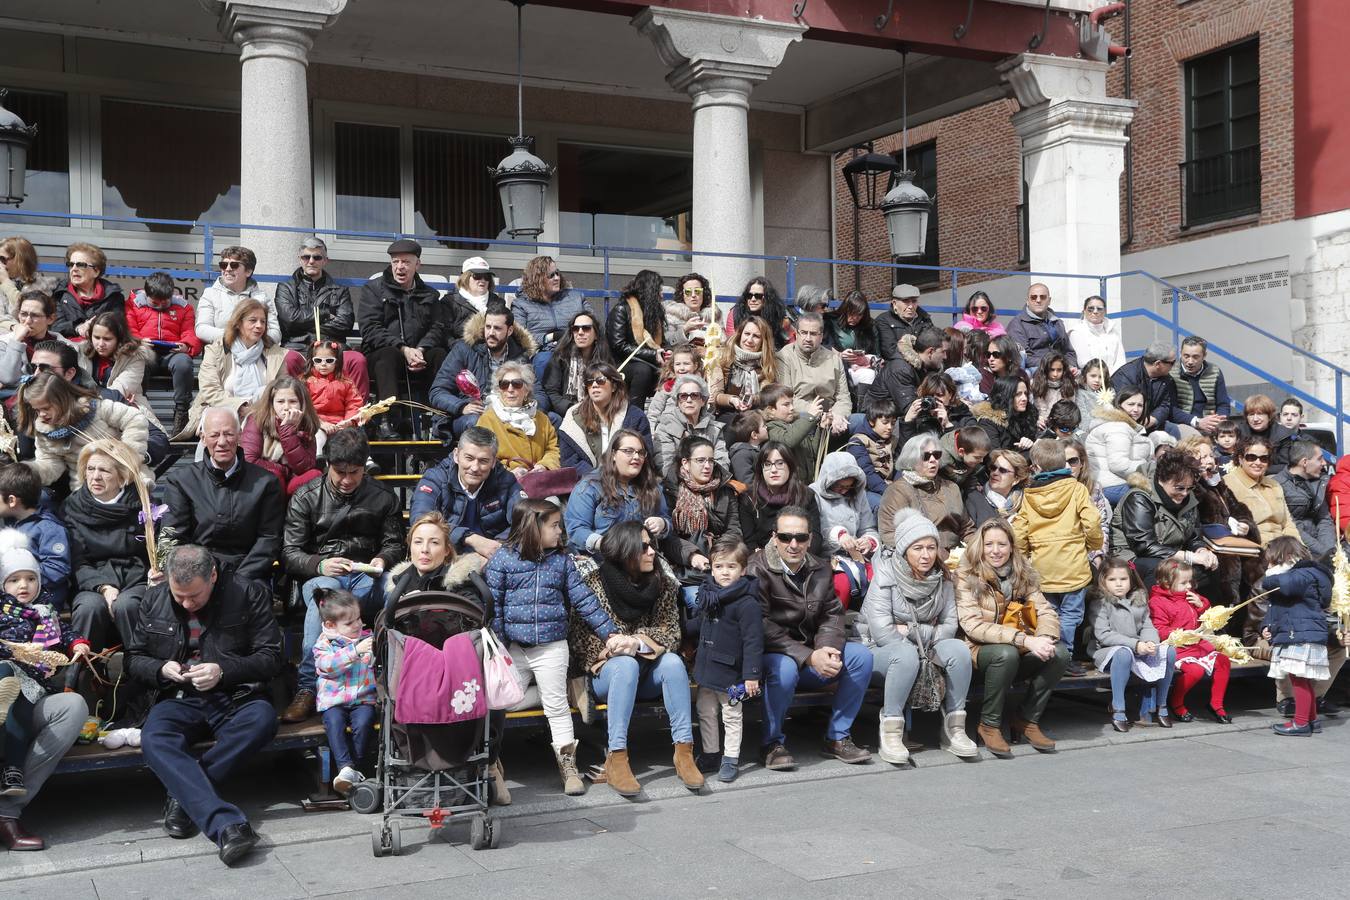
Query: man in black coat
[
  {"x": 333, "y": 523},
  {"x": 404, "y": 331},
  {"x": 209, "y": 645},
  {"x": 490, "y": 339},
  {"x": 900, "y": 380},
  {"x": 232, "y": 507},
  {"x": 1152, "y": 374},
  {"x": 904, "y": 317},
  {"x": 1039, "y": 332}
]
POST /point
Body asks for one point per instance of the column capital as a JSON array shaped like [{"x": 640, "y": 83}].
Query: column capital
[
  {"x": 276, "y": 28},
  {"x": 713, "y": 55},
  {"x": 1096, "y": 122},
  {"x": 1036, "y": 79}
]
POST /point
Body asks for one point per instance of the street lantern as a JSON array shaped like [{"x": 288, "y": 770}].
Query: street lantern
[
  {"x": 906, "y": 208},
  {"x": 15, "y": 139},
  {"x": 522, "y": 178},
  {"x": 874, "y": 171}
]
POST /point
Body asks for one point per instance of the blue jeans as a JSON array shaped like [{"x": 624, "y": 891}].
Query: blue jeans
[
  {"x": 1070, "y": 607},
  {"x": 369, "y": 590},
  {"x": 782, "y": 677},
  {"x": 1154, "y": 696},
  {"x": 1114, "y": 493},
  {"x": 624, "y": 679},
  {"x": 349, "y": 750}
]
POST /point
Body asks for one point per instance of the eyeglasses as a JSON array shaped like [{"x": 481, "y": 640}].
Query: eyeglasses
[
  {"x": 690, "y": 395},
  {"x": 1256, "y": 457},
  {"x": 324, "y": 360},
  {"x": 980, "y": 309},
  {"x": 995, "y": 354},
  {"x": 632, "y": 452},
  {"x": 701, "y": 461},
  {"x": 29, "y": 315},
  {"x": 5, "y": 259},
  {"x": 229, "y": 264},
  {"x": 696, "y": 292},
  {"x": 757, "y": 296},
  {"x": 481, "y": 276},
  {"x": 510, "y": 384},
  {"x": 42, "y": 367},
  {"x": 554, "y": 274},
  {"x": 793, "y": 538},
  {"x": 775, "y": 464},
  {"x": 1003, "y": 470},
  {"x": 77, "y": 264},
  {"x": 1094, "y": 309},
  {"x": 1038, "y": 296},
  {"x": 312, "y": 257},
  {"x": 596, "y": 381},
  {"x": 647, "y": 548},
  {"x": 932, "y": 455},
  {"x": 582, "y": 329}
]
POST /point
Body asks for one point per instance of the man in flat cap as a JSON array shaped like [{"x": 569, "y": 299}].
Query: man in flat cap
[
  {"x": 904, "y": 317},
  {"x": 404, "y": 332}
]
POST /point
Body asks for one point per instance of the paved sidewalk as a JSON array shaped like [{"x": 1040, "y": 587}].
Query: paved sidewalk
[{"x": 1230, "y": 810}]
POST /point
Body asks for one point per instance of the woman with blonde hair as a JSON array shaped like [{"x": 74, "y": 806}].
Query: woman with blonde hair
[
  {"x": 748, "y": 364},
  {"x": 18, "y": 269},
  {"x": 236, "y": 368},
  {"x": 63, "y": 418}
]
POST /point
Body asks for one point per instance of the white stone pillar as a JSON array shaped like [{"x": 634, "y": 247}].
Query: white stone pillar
[
  {"x": 718, "y": 60},
  {"x": 276, "y": 186},
  {"x": 1073, "y": 152}
]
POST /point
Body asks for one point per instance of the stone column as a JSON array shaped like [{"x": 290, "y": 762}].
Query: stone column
[
  {"x": 276, "y": 184},
  {"x": 718, "y": 60},
  {"x": 1073, "y": 152}
]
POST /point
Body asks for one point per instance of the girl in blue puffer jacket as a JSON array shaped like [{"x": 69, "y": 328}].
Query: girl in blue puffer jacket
[
  {"x": 534, "y": 584},
  {"x": 1296, "y": 627}
]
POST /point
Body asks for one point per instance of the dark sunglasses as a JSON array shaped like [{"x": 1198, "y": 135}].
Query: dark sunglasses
[
  {"x": 690, "y": 395},
  {"x": 1072, "y": 462},
  {"x": 582, "y": 329},
  {"x": 510, "y": 384},
  {"x": 979, "y": 309},
  {"x": 1256, "y": 457},
  {"x": 5, "y": 259},
  {"x": 481, "y": 276},
  {"x": 932, "y": 455},
  {"x": 1003, "y": 470},
  {"x": 80, "y": 265},
  {"x": 1094, "y": 309},
  {"x": 759, "y": 296},
  {"x": 224, "y": 264},
  {"x": 791, "y": 538},
  {"x": 597, "y": 380},
  {"x": 995, "y": 354},
  {"x": 312, "y": 257},
  {"x": 554, "y": 274}
]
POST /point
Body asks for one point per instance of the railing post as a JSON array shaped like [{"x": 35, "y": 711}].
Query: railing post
[
  {"x": 1340, "y": 413},
  {"x": 956, "y": 296},
  {"x": 606, "y": 255},
  {"x": 1176, "y": 318},
  {"x": 791, "y": 279},
  {"x": 1101, "y": 288},
  {"x": 207, "y": 252}
]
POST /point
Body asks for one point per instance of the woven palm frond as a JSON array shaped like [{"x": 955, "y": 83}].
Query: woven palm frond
[{"x": 34, "y": 655}]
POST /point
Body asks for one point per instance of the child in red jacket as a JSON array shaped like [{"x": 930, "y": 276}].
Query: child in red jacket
[
  {"x": 1172, "y": 605},
  {"x": 335, "y": 398}
]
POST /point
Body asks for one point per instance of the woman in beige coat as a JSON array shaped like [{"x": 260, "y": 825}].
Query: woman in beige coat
[
  {"x": 1258, "y": 491},
  {"x": 63, "y": 418},
  {"x": 236, "y": 368}
]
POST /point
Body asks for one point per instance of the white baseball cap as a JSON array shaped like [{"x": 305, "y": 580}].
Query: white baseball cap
[{"x": 478, "y": 266}]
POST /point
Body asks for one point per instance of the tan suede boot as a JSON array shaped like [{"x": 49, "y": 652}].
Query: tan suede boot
[
  {"x": 501, "y": 794},
  {"x": 1032, "y": 734},
  {"x": 619, "y": 775},
  {"x": 992, "y": 738},
  {"x": 686, "y": 768},
  {"x": 573, "y": 784}
]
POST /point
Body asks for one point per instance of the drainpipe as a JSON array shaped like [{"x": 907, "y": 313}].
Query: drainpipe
[{"x": 1129, "y": 145}]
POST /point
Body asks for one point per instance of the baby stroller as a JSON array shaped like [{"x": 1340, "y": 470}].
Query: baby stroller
[{"x": 432, "y": 772}]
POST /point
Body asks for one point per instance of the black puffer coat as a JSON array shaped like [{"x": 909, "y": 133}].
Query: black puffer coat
[
  {"x": 107, "y": 540},
  {"x": 296, "y": 300}
]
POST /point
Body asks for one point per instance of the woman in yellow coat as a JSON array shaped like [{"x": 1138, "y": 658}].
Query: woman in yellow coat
[
  {"x": 1262, "y": 494},
  {"x": 526, "y": 439}
]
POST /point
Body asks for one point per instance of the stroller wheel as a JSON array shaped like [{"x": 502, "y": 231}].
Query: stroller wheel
[
  {"x": 478, "y": 832},
  {"x": 377, "y": 845},
  {"x": 494, "y": 833},
  {"x": 364, "y": 798},
  {"x": 395, "y": 837}
]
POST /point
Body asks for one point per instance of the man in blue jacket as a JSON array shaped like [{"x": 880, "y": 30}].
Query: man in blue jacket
[
  {"x": 474, "y": 493},
  {"x": 490, "y": 339}
]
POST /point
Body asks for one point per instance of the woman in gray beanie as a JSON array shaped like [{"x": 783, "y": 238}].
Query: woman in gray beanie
[{"x": 910, "y": 612}]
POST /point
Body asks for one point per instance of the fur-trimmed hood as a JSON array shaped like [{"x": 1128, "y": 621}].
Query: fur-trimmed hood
[
  {"x": 984, "y": 410},
  {"x": 458, "y": 573},
  {"x": 909, "y": 354},
  {"x": 1104, "y": 414},
  {"x": 473, "y": 334}
]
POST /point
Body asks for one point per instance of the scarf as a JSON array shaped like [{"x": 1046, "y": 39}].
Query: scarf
[
  {"x": 91, "y": 298},
  {"x": 770, "y": 497},
  {"x": 713, "y": 597},
  {"x": 478, "y": 303},
  {"x": 1005, "y": 583},
  {"x": 915, "y": 479},
  {"x": 250, "y": 372},
  {"x": 998, "y": 501},
  {"x": 576, "y": 370},
  {"x": 629, "y": 600},
  {"x": 1052, "y": 475},
  {"x": 745, "y": 371},
  {"x": 1166, "y": 501},
  {"x": 521, "y": 418},
  {"x": 924, "y": 595},
  {"x": 68, "y": 431},
  {"x": 690, "y": 514}
]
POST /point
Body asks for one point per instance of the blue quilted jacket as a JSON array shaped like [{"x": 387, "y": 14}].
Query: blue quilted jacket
[{"x": 531, "y": 599}]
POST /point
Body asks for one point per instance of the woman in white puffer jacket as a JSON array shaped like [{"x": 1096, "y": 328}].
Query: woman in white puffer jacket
[
  {"x": 1096, "y": 337},
  {"x": 1117, "y": 445}
]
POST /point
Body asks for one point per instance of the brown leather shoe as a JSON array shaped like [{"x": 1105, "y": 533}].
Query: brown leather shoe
[
  {"x": 619, "y": 775},
  {"x": 686, "y": 768},
  {"x": 301, "y": 708},
  {"x": 13, "y": 837},
  {"x": 846, "y": 751},
  {"x": 992, "y": 738},
  {"x": 1032, "y": 734}
]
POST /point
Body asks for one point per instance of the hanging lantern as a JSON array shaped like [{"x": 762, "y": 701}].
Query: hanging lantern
[
  {"x": 15, "y": 140},
  {"x": 906, "y": 209},
  {"x": 522, "y": 183},
  {"x": 867, "y": 178}
]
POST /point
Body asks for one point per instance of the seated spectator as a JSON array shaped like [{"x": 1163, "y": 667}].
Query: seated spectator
[
  {"x": 704, "y": 506},
  {"x": 1123, "y": 634},
  {"x": 624, "y": 488},
  {"x": 778, "y": 483},
  {"x": 1038, "y": 331},
  {"x": 55, "y": 724},
  {"x": 809, "y": 368},
  {"x": 1094, "y": 336},
  {"x": 760, "y": 298},
  {"x": 1226, "y": 438},
  {"x": 433, "y": 565},
  {"x": 587, "y": 427},
  {"x": 682, "y": 360},
  {"x": 283, "y": 435},
  {"x": 748, "y": 364},
  {"x": 62, "y": 418},
  {"x": 1159, "y": 518},
  {"x": 1202, "y": 396},
  {"x": 980, "y": 315},
  {"x": 804, "y": 642},
  {"x": 1008, "y": 415},
  {"x": 334, "y": 523},
  {"x": 21, "y": 507},
  {"x": 472, "y": 491},
  {"x": 106, "y": 547},
  {"x": 873, "y": 448},
  {"x": 640, "y": 658},
  {"x": 405, "y": 330},
  {"x": 813, "y": 298},
  {"x": 1259, "y": 492},
  {"x": 905, "y": 318},
  {"x": 1003, "y": 358},
  {"x": 921, "y": 486},
  {"x": 967, "y": 351},
  {"x": 1118, "y": 444},
  {"x": 465, "y": 380},
  {"x": 1151, "y": 375},
  {"x": 162, "y": 318},
  {"x": 1056, "y": 527},
  {"x": 114, "y": 360},
  {"x": 86, "y": 292},
  {"x": 1051, "y": 384},
  {"x": 744, "y": 436},
  {"x": 536, "y": 587},
  {"x": 526, "y": 439},
  {"x": 848, "y": 525},
  {"x": 689, "y": 416},
  {"x": 1172, "y": 605},
  {"x": 1080, "y": 467},
  {"x": 582, "y": 345},
  {"x": 1258, "y": 420},
  {"x": 473, "y": 294},
  {"x": 1291, "y": 414},
  {"x": 220, "y": 301},
  {"x": 916, "y": 357},
  {"x": 910, "y": 615},
  {"x": 37, "y": 312},
  {"x": 545, "y": 304},
  {"x": 312, "y": 292},
  {"x": 225, "y": 503},
  {"x": 1001, "y": 494},
  {"x": 1093, "y": 378},
  {"x": 799, "y": 431},
  {"x": 238, "y": 367},
  {"x": 849, "y": 330},
  {"x": 212, "y": 682},
  {"x": 636, "y": 328},
  {"x": 336, "y": 399},
  {"x": 936, "y": 409},
  {"x": 1013, "y": 636},
  {"x": 1063, "y": 421},
  {"x": 1304, "y": 482},
  {"x": 18, "y": 270},
  {"x": 692, "y": 310},
  {"x": 964, "y": 452}
]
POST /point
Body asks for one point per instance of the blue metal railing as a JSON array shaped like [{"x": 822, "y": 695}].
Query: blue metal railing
[{"x": 608, "y": 291}]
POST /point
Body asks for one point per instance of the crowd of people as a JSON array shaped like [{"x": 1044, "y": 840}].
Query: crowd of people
[{"x": 785, "y": 498}]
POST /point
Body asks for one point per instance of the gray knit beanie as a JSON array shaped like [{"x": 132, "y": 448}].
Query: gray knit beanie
[{"x": 910, "y": 526}]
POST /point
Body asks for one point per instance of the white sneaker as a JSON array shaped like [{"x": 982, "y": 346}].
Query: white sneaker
[
  {"x": 345, "y": 779},
  {"x": 892, "y": 748}
]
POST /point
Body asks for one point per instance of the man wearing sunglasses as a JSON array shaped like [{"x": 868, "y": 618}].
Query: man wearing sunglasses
[
  {"x": 312, "y": 288},
  {"x": 804, "y": 642},
  {"x": 1039, "y": 332},
  {"x": 464, "y": 381},
  {"x": 905, "y": 317}
]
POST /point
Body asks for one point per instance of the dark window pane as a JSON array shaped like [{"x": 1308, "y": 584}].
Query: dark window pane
[
  {"x": 622, "y": 197},
  {"x": 1221, "y": 176},
  {"x": 452, "y": 191},
  {"x": 47, "y": 182},
  {"x": 923, "y": 160},
  {"x": 366, "y": 177}
]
